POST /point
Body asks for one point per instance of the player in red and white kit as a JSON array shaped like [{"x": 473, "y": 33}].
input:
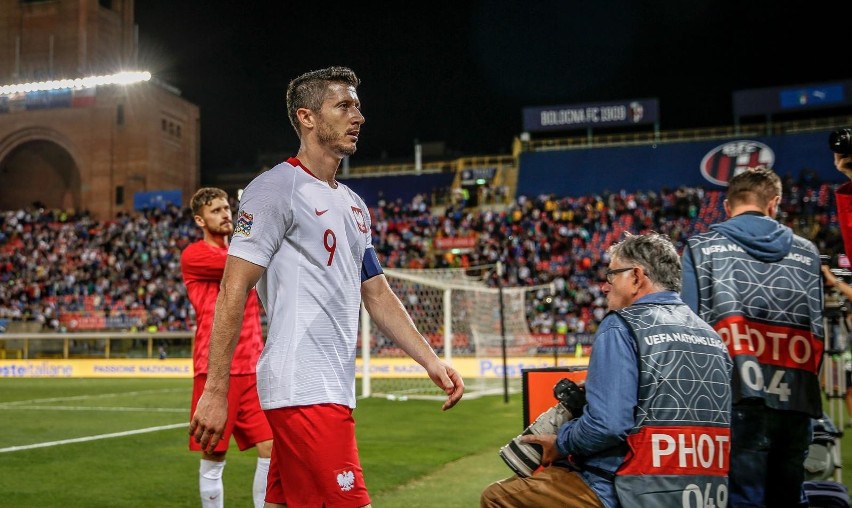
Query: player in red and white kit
[
  {"x": 202, "y": 264},
  {"x": 304, "y": 240}
]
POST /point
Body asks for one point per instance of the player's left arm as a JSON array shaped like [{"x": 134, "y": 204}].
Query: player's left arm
[{"x": 393, "y": 320}]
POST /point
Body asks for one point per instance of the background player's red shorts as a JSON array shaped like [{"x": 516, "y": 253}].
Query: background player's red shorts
[
  {"x": 315, "y": 458},
  {"x": 246, "y": 421}
]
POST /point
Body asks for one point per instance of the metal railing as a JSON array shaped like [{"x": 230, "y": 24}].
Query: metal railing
[
  {"x": 25, "y": 346},
  {"x": 685, "y": 135},
  {"x": 446, "y": 166}
]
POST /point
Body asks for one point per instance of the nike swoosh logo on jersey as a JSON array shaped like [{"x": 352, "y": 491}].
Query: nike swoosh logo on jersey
[{"x": 320, "y": 212}]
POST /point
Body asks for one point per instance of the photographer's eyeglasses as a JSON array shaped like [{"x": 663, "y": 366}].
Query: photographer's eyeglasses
[{"x": 611, "y": 273}]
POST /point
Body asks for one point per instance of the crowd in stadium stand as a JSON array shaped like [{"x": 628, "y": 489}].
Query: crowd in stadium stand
[
  {"x": 122, "y": 274},
  {"x": 68, "y": 271}
]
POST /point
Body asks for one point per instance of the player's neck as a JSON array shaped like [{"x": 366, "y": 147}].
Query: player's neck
[
  {"x": 320, "y": 162},
  {"x": 219, "y": 241}
]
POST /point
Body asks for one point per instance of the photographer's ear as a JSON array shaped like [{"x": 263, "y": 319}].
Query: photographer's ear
[{"x": 772, "y": 207}]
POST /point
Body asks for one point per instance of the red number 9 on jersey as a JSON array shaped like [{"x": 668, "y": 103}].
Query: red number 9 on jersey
[{"x": 330, "y": 244}]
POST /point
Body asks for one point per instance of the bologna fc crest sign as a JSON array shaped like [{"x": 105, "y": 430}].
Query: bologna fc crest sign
[{"x": 723, "y": 162}]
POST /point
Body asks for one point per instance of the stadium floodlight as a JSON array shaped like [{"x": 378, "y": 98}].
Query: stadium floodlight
[{"x": 121, "y": 78}]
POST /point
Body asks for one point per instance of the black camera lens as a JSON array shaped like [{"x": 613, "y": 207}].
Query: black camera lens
[{"x": 840, "y": 141}]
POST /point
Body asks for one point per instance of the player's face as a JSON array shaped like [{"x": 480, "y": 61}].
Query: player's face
[
  {"x": 216, "y": 217},
  {"x": 340, "y": 119}
]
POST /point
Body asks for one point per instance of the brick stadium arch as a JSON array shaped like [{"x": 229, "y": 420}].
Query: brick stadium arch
[
  {"x": 95, "y": 148},
  {"x": 38, "y": 165},
  {"x": 99, "y": 154}
]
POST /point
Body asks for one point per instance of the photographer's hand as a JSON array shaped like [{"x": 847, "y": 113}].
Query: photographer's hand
[
  {"x": 843, "y": 163},
  {"x": 830, "y": 279},
  {"x": 549, "y": 451}
]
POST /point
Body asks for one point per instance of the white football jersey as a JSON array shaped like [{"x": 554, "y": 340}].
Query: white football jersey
[{"x": 312, "y": 240}]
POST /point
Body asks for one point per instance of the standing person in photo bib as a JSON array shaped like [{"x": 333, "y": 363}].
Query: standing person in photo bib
[{"x": 759, "y": 286}]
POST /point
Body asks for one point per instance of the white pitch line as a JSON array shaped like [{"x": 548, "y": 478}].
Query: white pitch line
[
  {"x": 93, "y": 438},
  {"x": 85, "y": 397},
  {"x": 106, "y": 408}
]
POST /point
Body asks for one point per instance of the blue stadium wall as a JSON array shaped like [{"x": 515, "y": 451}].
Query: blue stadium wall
[
  {"x": 640, "y": 168},
  {"x": 403, "y": 187}
]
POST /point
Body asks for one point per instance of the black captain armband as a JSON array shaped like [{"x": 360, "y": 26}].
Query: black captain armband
[{"x": 370, "y": 267}]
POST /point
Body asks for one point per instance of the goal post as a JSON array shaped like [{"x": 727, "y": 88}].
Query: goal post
[{"x": 460, "y": 317}]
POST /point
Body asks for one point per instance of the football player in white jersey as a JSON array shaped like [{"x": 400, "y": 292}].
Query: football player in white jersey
[{"x": 303, "y": 239}]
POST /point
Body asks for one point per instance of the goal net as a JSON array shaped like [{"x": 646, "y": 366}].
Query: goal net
[{"x": 465, "y": 321}]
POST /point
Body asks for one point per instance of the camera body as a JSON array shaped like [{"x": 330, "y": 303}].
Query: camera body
[
  {"x": 570, "y": 395},
  {"x": 524, "y": 458},
  {"x": 840, "y": 141}
]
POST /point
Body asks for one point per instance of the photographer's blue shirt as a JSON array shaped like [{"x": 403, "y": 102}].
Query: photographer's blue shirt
[{"x": 598, "y": 437}]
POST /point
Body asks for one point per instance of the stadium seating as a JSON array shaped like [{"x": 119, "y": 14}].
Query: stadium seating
[{"x": 67, "y": 271}]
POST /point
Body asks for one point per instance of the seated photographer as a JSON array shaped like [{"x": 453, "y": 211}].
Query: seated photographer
[{"x": 656, "y": 429}]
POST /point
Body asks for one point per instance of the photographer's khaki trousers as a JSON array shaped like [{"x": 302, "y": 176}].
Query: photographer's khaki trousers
[{"x": 551, "y": 487}]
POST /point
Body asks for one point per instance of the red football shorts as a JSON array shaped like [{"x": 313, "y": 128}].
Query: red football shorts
[
  {"x": 246, "y": 421},
  {"x": 315, "y": 458}
]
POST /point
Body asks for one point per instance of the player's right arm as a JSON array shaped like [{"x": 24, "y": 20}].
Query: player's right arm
[{"x": 208, "y": 422}]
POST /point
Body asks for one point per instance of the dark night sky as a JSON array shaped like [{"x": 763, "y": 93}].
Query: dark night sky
[{"x": 461, "y": 72}]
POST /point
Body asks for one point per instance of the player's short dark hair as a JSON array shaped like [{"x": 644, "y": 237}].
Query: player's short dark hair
[
  {"x": 204, "y": 196},
  {"x": 754, "y": 186},
  {"x": 309, "y": 90}
]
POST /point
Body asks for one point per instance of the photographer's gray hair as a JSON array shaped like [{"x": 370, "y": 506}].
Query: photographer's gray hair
[{"x": 656, "y": 254}]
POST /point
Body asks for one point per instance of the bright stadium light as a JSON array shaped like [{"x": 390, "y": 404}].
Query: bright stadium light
[{"x": 121, "y": 78}]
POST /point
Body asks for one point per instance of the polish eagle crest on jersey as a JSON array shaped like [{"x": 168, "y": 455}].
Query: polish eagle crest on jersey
[
  {"x": 360, "y": 221},
  {"x": 346, "y": 480}
]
